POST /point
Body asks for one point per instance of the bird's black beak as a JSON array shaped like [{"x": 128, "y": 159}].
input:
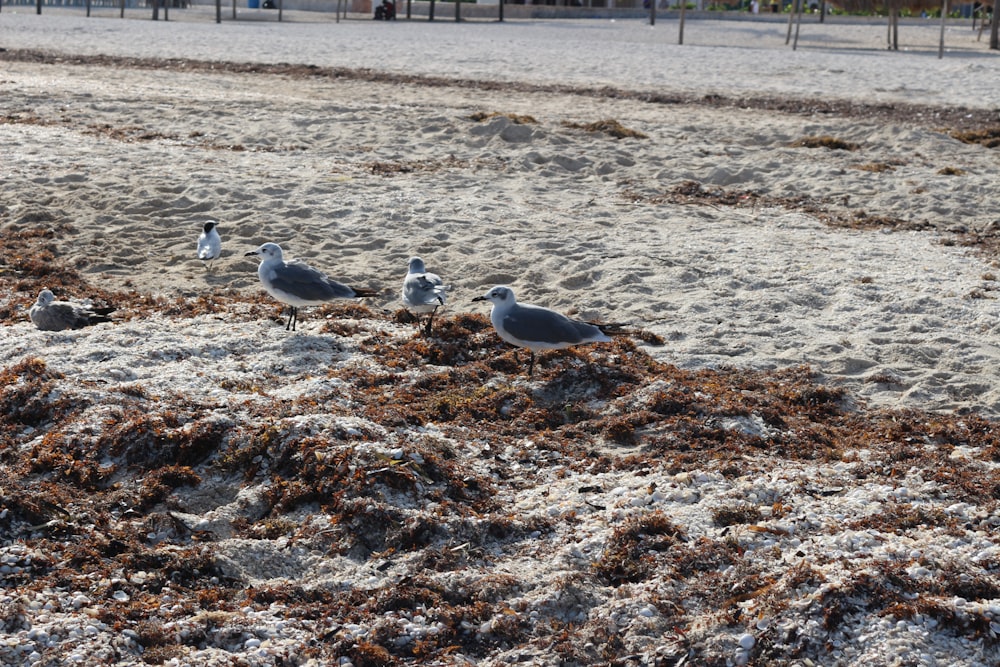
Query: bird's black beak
[
  {"x": 252, "y": 252},
  {"x": 480, "y": 298}
]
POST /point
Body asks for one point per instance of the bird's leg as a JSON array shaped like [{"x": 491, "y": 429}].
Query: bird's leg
[
  {"x": 427, "y": 328},
  {"x": 290, "y": 324},
  {"x": 531, "y": 362}
]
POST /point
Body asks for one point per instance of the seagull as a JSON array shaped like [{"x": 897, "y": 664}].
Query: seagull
[
  {"x": 209, "y": 243},
  {"x": 50, "y": 315},
  {"x": 538, "y": 328},
  {"x": 423, "y": 292},
  {"x": 297, "y": 284}
]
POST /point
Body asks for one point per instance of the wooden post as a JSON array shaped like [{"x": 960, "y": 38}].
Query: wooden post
[
  {"x": 500, "y": 3},
  {"x": 895, "y": 29},
  {"x": 121, "y": 14},
  {"x": 38, "y": 6},
  {"x": 791, "y": 17},
  {"x": 800, "y": 7},
  {"x": 88, "y": 7},
  {"x": 798, "y": 24},
  {"x": 166, "y": 9},
  {"x": 458, "y": 11},
  {"x": 156, "y": 10},
  {"x": 281, "y": 8},
  {"x": 652, "y": 12},
  {"x": 234, "y": 10},
  {"x": 944, "y": 17},
  {"x": 680, "y": 29},
  {"x": 430, "y": 16},
  {"x": 218, "y": 11},
  {"x": 994, "y": 41}
]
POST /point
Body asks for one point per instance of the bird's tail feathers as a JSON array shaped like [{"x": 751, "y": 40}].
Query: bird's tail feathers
[
  {"x": 611, "y": 328},
  {"x": 618, "y": 329}
]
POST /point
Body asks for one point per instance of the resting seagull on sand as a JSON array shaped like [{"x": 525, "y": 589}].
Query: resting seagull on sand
[
  {"x": 209, "y": 243},
  {"x": 423, "y": 292},
  {"x": 297, "y": 284},
  {"x": 50, "y": 315},
  {"x": 537, "y": 328}
]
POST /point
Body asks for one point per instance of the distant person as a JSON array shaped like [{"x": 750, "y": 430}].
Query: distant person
[
  {"x": 385, "y": 11},
  {"x": 754, "y": 7}
]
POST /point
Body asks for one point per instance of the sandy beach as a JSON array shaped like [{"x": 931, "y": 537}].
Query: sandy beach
[{"x": 794, "y": 458}]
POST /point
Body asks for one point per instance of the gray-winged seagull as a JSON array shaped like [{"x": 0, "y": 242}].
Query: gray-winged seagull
[
  {"x": 50, "y": 315},
  {"x": 537, "y": 328},
  {"x": 297, "y": 284},
  {"x": 423, "y": 292}
]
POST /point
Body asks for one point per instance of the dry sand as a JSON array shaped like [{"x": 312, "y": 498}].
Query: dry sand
[{"x": 714, "y": 231}]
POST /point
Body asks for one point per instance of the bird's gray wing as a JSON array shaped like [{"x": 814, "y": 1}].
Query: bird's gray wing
[
  {"x": 308, "y": 284},
  {"x": 424, "y": 291},
  {"x": 59, "y": 317},
  {"x": 541, "y": 325}
]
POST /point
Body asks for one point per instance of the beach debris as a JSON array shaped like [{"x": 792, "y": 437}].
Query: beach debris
[
  {"x": 297, "y": 284},
  {"x": 988, "y": 137},
  {"x": 209, "y": 243},
  {"x": 516, "y": 118},
  {"x": 423, "y": 292},
  {"x": 825, "y": 141},
  {"x": 537, "y": 328},
  {"x": 608, "y": 126},
  {"x": 48, "y": 314}
]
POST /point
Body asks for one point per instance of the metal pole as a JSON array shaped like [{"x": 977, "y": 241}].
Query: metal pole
[
  {"x": 430, "y": 17},
  {"x": 281, "y": 6},
  {"x": 652, "y": 12},
  {"x": 501, "y": 10},
  {"x": 218, "y": 11},
  {"x": 458, "y": 11}
]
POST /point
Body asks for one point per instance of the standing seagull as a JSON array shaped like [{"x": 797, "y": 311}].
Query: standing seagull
[
  {"x": 297, "y": 284},
  {"x": 50, "y": 315},
  {"x": 209, "y": 243},
  {"x": 537, "y": 328},
  {"x": 423, "y": 292}
]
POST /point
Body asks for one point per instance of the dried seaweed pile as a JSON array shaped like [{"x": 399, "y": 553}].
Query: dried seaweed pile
[{"x": 410, "y": 462}]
